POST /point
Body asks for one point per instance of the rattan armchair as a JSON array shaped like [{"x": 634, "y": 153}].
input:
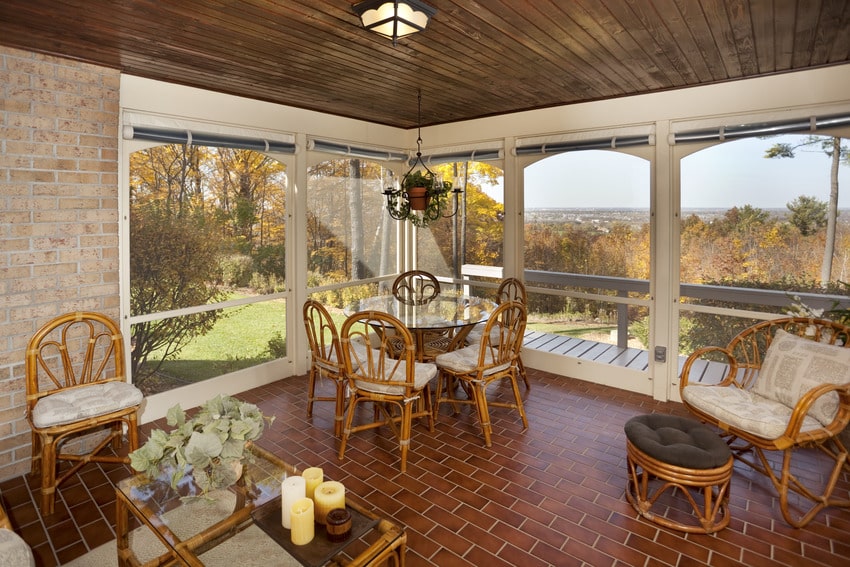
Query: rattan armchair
[
  {"x": 390, "y": 379},
  {"x": 76, "y": 384},
  {"x": 326, "y": 360},
  {"x": 478, "y": 366},
  {"x": 786, "y": 388}
]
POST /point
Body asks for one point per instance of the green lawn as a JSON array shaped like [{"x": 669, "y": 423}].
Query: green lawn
[{"x": 238, "y": 340}]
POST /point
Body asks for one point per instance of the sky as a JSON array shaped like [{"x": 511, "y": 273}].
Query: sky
[{"x": 730, "y": 174}]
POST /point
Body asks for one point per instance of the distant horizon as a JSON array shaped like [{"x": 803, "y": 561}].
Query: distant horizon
[{"x": 723, "y": 176}]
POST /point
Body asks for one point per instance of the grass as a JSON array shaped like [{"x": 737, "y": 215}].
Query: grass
[{"x": 239, "y": 340}]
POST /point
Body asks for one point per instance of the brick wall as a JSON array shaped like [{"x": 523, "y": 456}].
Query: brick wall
[{"x": 58, "y": 213}]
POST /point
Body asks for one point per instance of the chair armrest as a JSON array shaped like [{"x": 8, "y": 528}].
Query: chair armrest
[
  {"x": 4, "y": 519},
  {"x": 697, "y": 355},
  {"x": 804, "y": 404}
]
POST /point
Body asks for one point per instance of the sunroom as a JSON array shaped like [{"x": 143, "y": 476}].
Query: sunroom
[{"x": 645, "y": 220}]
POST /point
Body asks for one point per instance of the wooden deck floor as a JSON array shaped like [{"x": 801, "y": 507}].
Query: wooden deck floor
[
  {"x": 633, "y": 358},
  {"x": 604, "y": 353}
]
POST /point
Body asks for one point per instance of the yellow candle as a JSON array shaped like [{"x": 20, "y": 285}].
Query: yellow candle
[
  {"x": 314, "y": 478},
  {"x": 291, "y": 490},
  {"x": 303, "y": 526},
  {"x": 328, "y": 495}
]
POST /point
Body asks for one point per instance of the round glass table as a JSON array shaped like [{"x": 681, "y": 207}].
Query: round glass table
[{"x": 440, "y": 325}]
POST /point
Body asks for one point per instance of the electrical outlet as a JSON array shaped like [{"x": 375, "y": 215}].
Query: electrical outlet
[{"x": 660, "y": 354}]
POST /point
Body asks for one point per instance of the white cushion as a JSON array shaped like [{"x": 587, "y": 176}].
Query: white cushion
[
  {"x": 744, "y": 410},
  {"x": 80, "y": 403},
  {"x": 794, "y": 365},
  {"x": 14, "y": 551},
  {"x": 423, "y": 372},
  {"x": 465, "y": 360}
]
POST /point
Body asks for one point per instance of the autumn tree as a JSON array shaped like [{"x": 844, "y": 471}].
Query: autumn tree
[
  {"x": 808, "y": 214},
  {"x": 833, "y": 148}
]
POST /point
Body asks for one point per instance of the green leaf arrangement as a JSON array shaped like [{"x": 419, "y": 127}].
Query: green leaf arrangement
[{"x": 212, "y": 443}]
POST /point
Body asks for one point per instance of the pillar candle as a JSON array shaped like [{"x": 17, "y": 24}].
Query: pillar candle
[
  {"x": 314, "y": 478},
  {"x": 303, "y": 525},
  {"x": 291, "y": 490},
  {"x": 328, "y": 495}
]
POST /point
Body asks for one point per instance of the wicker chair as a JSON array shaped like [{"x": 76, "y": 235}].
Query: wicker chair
[
  {"x": 781, "y": 392},
  {"x": 378, "y": 373},
  {"x": 416, "y": 287},
  {"x": 326, "y": 360},
  {"x": 510, "y": 289},
  {"x": 478, "y": 366},
  {"x": 76, "y": 384}
]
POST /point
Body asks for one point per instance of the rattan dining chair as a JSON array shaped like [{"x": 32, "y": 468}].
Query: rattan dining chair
[
  {"x": 389, "y": 379},
  {"x": 493, "y": 359},
  {"x": 76, "y": 385},
  {"x": 416, "y": 287},
  {"x": 510, "y": 289},
  {"x": 326, "y": 360}
]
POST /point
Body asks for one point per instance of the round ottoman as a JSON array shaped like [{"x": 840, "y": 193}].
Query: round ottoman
[{"x": 666, "y": 452}]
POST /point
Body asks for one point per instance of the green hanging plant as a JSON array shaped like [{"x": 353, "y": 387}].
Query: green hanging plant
[{"x": 436, "y": 199}]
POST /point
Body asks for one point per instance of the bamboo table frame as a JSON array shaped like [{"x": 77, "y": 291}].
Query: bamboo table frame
[{"x": 149, "y": 499}]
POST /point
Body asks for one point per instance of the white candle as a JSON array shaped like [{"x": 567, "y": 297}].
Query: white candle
[
  {"x": 328, "y": 495},
  {"x": 292, "y": 489},
  {"x": 303, "y": 525},
  {"x": 314, "y": 477}
]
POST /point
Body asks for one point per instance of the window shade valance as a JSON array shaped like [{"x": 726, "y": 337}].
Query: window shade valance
[
  {"x": 607, "y": 143},
  {"x": 355, "y": 151},
  {"x": 191, "y": 137},
  {"x": 720, "y": 133},
  {"x": 472, "y": 155}
]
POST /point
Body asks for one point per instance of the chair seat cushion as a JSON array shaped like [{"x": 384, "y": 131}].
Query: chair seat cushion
[
  {"x": 744, "y": 410},
  {"x": 465, "y": 360},
  {"x": 75, "y": 404},
  {"x": 678, "y": 441},
  {"x": 14, "y": 551},
  {"x": 423, "y": 372},
  {"x": 794, "y": 365}
]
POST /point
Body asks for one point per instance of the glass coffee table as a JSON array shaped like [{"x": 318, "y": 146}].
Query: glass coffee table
[{"x": 195, "y": 531}]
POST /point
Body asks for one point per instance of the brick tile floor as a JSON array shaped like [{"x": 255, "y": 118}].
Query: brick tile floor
[{"x": 552, "y": 495}]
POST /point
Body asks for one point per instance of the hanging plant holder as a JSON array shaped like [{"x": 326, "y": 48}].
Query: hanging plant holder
[{"x": 423, "y": 197}]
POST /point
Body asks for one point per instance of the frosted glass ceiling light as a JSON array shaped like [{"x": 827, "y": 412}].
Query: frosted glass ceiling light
[{"x": 394, "y": 19}]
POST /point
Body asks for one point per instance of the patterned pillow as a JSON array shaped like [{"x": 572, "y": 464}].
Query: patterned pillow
[{"x": 794, "y": 365}]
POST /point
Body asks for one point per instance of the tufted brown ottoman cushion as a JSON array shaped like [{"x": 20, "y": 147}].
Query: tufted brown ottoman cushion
[
  {"x": 679, "y": 441},
  {"x": 665, "y": 453}
]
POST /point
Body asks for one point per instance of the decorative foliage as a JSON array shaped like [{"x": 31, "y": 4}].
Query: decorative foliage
[
  {"x": 437, "y": 197},
  {"x": 212, "y": 443}
]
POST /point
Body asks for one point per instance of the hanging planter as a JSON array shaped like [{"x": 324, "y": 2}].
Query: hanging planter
[
  {"x": 418, "y": 198},
  {"x": 423, "y": 197}
]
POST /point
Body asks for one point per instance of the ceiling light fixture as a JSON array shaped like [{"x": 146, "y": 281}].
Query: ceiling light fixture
[{"x": 394, "y": 19}]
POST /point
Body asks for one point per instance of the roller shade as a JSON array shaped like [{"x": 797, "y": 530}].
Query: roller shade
[
  {"x": 721, "y": 133},
  {"x": 190, "y": 137},
  {"x": 355, "y": 151},
  {"x": 474, "y": 155},
  {"x": 608, "y": 143}
]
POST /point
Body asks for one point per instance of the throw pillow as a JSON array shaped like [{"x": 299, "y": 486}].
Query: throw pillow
[{"x": 794, "y": 365}]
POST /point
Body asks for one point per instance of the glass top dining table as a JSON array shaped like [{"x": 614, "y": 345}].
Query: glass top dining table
[{"x": 450, "y": 315}]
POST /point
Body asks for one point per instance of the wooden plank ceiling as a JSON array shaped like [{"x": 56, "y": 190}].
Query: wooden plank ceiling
[{"x": 477, "y": 58}]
